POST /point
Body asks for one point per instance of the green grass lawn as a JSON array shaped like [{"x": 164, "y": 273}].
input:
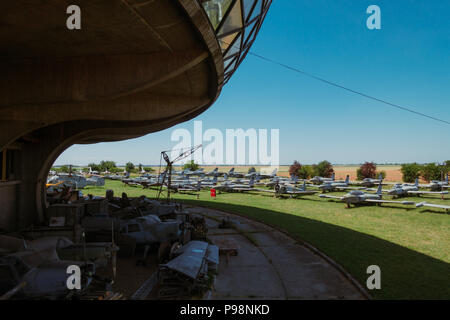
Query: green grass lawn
[{"x": 411, "y": 246}]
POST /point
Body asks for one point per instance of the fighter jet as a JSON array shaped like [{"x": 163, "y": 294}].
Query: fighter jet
[
  {"x": 402, "y": 190},
  {"x": 213, "y": 173},
  {"x": 440, "y": 206},
  {"x": 198, "y": 172},
  {"x": 259, "y": 175},
  {"x": 359, "y": 197},
  {"x": 208, "y": 183},
  {"x": 235, "y": 174},
  {"x": 333, "y": 186},
  {"x": 369, "y": 182},
  {"x": 189, "y": 187},
  {"x": 436, "y": 185},
  {"x": 289, "y": 190},
  {"x": 319, "y": 180},
  {"x": 232, "y": 186}
]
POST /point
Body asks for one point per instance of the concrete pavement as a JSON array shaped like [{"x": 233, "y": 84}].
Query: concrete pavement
[{"x": 271, "y": 265}]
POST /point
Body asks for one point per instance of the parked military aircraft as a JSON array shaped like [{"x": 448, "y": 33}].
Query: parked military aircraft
[
  {"x": 400, "y": 190},
  {"x": 369, "y": 182},
  {"x": 358, "y": 197},
  {"x": 289, "y": 190},
  {"x": 333, "y": 186},
  {"x": 213, "y": 173},
  {"x": 319, "y": 180},
  {"x": 436, "y": 185},
  {"x": 189, "y": 187},
  {"x": 235, "y": 174},
  {"x": 231, "y": 186}
]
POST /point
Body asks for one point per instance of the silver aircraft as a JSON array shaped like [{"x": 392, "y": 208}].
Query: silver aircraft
[
  {"x": 359, "y": 197},
  {"x": 235, "y": 174},
  {"x": 288, "y": 190},
  {"x": 436, "y": 185},
  {"x": 232, "y": 186},
  {"x": 214, "y": 173},
  {"x": 369, "y": 182},
  {"x": 333, "y": 186},
  {"x": 402, "y": 190},
  {"x": 319, "y": 180}
]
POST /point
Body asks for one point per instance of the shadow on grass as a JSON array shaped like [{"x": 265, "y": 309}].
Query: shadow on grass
[{"x": 405, "y": 273}]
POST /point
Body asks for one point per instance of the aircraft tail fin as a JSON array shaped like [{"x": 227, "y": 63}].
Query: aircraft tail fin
[
  {"x": 215, "y": 179},
  {"x": 380, "y": 189},
  {"x": 416, "y": 183},
  {"x": 332, "y": 176},
  {"x": 380, "y": 176},
  {"x": 252, "y": 181},
  {"x": 347, "y": 179},
  {"x": 446, "y": 178}
]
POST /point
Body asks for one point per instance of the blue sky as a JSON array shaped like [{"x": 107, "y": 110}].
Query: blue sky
[{"x": 407, "y": 62}]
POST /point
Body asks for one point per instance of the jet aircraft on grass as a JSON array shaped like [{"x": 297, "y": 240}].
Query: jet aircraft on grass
[
  {"x": 288, "y": 190},
  {"x": 359, "y": 197},
  {"x": 403, "y": 190}
]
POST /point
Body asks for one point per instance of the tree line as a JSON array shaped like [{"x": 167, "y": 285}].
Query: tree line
[
  {"x": 106, "y": 166},
  {"x": 410, "y": 171}
]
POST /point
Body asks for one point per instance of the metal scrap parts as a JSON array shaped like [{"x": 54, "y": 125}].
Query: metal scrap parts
[{"x": 190, "y": 272}]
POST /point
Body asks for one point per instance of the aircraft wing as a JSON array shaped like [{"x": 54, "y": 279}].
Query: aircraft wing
[
  {"x": 302, "y": 192},
  {"x": 428, "y": 192},
  {"x": 441, "y": 206},
  {"x": 391, "y": 201},
  {"x": 330, "y": 197},
  {"x": 264, "y": 190},
  {"x": 351, "y": 188}
]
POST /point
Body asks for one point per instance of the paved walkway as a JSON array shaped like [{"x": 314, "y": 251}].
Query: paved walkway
[{"x": 271, "y": 265}]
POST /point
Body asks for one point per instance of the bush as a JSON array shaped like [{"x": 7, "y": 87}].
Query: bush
[
  {"x": 294, "y": 169},
  {"x": 106, "y": 165},
  {"x": 116, "y": 170},
  {"x": 64, "y": 169},
  {"x": 431, "y": 172},
  {"x": 305, "y": 172},
  {"x": 191, "y": 165},
  {"x": 148, "y": 169},
  {"x": 251, "y": 170},
  {"x": 410, "y": 172},
  {"x": 323, "y": 169},
  {"x": 129, "y": 167},
  {"x": 94, "y": 167},
  {"x": 367, "y": 170}
]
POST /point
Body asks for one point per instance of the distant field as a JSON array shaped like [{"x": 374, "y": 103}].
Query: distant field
[
  {"x": 411, "y": 246},
  {"x": 393, "y": 173}
]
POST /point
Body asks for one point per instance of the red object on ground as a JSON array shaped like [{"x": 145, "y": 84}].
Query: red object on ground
[{"x": 213, "y": 193}]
